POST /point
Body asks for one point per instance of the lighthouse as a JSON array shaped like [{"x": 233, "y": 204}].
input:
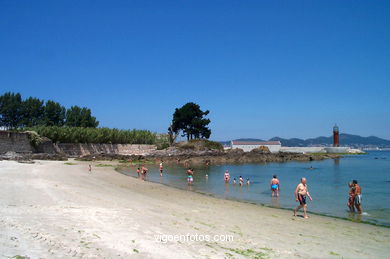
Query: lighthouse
[{"x": 336, "y": 142}]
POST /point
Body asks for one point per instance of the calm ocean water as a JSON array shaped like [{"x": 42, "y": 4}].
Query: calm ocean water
[{"x": 327, "y": 183}]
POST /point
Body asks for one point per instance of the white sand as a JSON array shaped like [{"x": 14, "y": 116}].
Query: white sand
[{"x": 52, "y": 210}]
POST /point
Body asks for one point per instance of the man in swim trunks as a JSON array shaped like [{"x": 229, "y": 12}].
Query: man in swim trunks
[
  {"x": 190, "y": 176},
  {"x": 275, "y": 186},
  {"x": 358, "y": 196},
  {"x": 226, "y": 176},
  {"x": 300, "y": 195}
]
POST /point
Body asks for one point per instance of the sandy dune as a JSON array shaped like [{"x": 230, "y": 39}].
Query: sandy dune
[{"x": 54, "y": 210}]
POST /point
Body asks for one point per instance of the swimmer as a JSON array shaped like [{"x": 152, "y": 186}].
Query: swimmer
[
  {"x": 275, "y": 186},
  {"x": 241, "y": 180},
  {"x": 161, "y": 168},
  {"x": 226, "y": 176}
]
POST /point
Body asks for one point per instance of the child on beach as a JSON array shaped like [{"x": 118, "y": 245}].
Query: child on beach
[
  {"x": 247, "y": 181},
  {"x": 138, "y": 171},
  {"x": 241, "y": 180},
  {"x": 234, "y": 181}
]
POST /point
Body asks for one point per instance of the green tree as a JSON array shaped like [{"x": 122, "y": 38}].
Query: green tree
[
  {"x": 11, "y": 110},
  {"x": 54, "y": 114},
  {"x": 190, "y": 120},
  {"x": 80, "y": 117},
  {"x": 33, "y": 111}
]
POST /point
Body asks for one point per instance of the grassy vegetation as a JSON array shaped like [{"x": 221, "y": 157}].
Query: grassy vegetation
[
  {"x": 249, "y": 253},
  {"x": 201, "y": 144},
  {"x": 105, "y": 165},
  {"x": 70, "y": 163},
  {"x": 100, "y": 135}
]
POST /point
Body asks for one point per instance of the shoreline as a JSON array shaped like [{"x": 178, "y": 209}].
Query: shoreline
[
  {"x": 259, "y": 203},
  {"x": 64, "y": 211}
]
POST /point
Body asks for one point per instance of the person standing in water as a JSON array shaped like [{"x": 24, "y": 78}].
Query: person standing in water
[
  {"x": 300, "y": 195},
  {"x": 226, "y": 176},
  {"x": 190, "y": 176},
  {"x": 241, "y": 180},
  {"x": 358, "y": 196},
  {"x": 275, "y": 186},
  {"x": 144, "y": 172},
  {"x": 161, "y": 168},
  {"x": 138, "y": 171},
  {"x": 351, "y": 197}
]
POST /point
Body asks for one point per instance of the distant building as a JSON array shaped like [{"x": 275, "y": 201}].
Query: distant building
[{"x": 273, "y": 146}]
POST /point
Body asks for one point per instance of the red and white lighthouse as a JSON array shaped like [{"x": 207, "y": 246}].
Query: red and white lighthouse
[{"x": 336, "y": 141}]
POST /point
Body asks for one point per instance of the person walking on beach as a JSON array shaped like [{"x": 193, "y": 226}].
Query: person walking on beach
[
  {"x": 300, "y": 195},
  {"x": 190, "y": 176},
  {"x": 275, "y": 186},
  {"x": 90, "y": 168},
  {"x": 226, "y": 176},
  {"x": 358, "y": 197}
]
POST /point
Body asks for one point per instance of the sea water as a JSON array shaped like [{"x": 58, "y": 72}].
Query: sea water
[{"x": 327, "y": 181}]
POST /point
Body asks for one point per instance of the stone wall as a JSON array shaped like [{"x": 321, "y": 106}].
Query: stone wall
[
  {"x": 15, "y": 141},
  {"x": 76, "y": 150},
  {"x": 20, "y": 143}
]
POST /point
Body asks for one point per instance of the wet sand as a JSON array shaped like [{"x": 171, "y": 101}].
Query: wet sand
[{"x": 55, "y": 210}]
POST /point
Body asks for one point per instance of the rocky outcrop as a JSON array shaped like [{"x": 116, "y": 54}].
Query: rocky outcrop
[{"x": 191, "y": 157}]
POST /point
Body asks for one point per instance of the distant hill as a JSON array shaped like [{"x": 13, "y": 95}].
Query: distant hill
[{"x": 345, "y": 140}]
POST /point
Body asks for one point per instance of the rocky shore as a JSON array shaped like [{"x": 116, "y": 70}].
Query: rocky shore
[{"x": 176, "y": 155}]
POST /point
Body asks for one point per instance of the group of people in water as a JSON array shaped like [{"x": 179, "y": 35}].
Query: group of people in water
[
  {"x": 241, "y": 180},
  {"x": 301, "y": 191}
]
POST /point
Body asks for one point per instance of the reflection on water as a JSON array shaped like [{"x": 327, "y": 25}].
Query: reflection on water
[{"x": 327, "y": 182}]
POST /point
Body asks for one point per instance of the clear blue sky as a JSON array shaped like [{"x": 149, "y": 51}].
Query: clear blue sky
[{"x": 263, "y": 68}]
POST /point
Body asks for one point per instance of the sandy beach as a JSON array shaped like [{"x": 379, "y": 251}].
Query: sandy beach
[{"x": 51, "y": 209}]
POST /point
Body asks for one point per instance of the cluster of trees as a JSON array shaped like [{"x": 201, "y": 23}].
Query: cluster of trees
[
  {"x": 18, "y": 113},
  {"x": 97, "y": 135},
  {"x": 191, "y": 121},
  {"x": 77, "y": 125}
]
